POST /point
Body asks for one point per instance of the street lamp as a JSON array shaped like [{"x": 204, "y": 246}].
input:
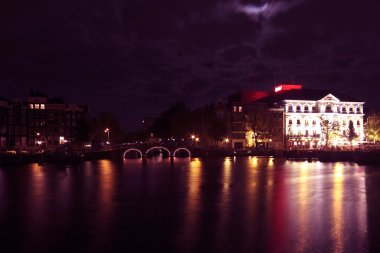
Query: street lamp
[
  {"x": 226, "y": 140},
  {"x": 107, "y": 130}
]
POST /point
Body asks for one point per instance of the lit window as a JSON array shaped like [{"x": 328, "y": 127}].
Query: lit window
[
  {"x": 31, "y": 106},
  {"x": 36, "y": 106},
  {"x": 235, "y": 109},
  {"x": 306, "y": 123},
  {"x": 314, "y": 123},
  {"x": 307, "y": 132},
  {"x": 240, "y": 109},
  {"x": 42, "y": 106}
]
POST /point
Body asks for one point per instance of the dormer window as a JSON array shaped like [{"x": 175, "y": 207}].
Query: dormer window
[
  {"x": 358, "y": 110},
  {"x": 351, "y": 110},
  {"x": 298, "y": 108},
  {"x": 290, "y": 109},
  {"x": 306, "y": 108}
]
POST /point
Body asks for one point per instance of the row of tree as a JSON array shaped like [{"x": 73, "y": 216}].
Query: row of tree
[
  {"x": 180, "y": 122},
  {"x": 92, "y": 130}
]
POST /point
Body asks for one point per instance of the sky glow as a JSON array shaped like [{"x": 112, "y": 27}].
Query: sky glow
[{"x": 253, "y": 9}]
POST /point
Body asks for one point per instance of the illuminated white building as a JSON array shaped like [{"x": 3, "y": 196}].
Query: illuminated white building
[
  {"x": 304, "y": 111},
  {"x": 308, "y": 116}
]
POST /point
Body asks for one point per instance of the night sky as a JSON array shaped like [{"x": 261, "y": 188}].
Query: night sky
[{"x": 136, "y": 57}]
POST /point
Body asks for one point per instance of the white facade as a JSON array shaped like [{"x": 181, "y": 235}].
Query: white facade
[{"x": 303, "y": 121}]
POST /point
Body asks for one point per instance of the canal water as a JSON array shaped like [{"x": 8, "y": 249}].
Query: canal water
[{"x": 241, "y": 204}]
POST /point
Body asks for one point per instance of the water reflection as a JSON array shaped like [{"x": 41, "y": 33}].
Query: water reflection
[
  {"x": 337, "y": 212},
  {"x": 234, "y": 204},
  {"x": 303, "y": 206},
  {"x": 191, "y": 212}
]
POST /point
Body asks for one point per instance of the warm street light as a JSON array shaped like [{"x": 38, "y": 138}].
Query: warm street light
[
  {"x": 192, "y": 137},
  {"x": 196, "y": 139},
  {"x": 226, "y": 140},
  {"x": 107, "y": 130}
]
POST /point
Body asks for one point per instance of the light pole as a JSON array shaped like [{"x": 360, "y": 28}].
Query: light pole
[
  {"x": 226, "y": 140},
  {"x": 196, "y": 140},
  {"x": 107, "y": 130}
]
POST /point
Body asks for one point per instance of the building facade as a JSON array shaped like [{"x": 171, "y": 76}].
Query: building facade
[
  {"x": 298, "y": 119},
  {"x": 38, "y": 122},
  {"x": 324, "y": 122}
]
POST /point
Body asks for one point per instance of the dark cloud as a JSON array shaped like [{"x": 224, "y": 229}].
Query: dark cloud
[{"x": 136, "y": 57}]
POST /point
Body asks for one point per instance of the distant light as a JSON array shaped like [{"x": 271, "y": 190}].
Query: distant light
[
  {"x": 196, "y": 139},
  {"x": 278, "y": 88}
]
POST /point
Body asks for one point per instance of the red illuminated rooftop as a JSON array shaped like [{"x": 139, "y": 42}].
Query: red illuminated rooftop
[{"x": 285, "y": 87}]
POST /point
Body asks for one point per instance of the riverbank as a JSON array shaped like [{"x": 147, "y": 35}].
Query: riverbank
[{"x": 360, "y": 157}]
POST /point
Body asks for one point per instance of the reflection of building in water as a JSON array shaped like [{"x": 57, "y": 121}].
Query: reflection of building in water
[{"x": 293, "y": 117}]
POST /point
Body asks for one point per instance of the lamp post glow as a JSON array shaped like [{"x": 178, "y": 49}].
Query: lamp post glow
[
  {"x": 107, "y": 130},
  {"x": 226, "y": 141}
]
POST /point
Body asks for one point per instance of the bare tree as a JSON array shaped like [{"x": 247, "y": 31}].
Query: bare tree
[
  {"x": 329, "y": 129},
  {"x": 258, "y": 122}
]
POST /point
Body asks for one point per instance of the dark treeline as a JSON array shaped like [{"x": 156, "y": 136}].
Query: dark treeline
[{"x": 180, "y": 122}]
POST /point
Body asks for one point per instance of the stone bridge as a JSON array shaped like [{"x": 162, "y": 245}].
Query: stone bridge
[{"x": 147, "y": 150}]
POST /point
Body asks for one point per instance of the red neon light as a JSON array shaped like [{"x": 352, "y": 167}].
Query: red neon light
[{"x": 283, "y": 87}]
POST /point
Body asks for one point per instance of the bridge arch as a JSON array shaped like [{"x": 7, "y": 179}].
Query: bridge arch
[
  {"x": 178, "y": 149},
  {"x": 133, "y": 149},
  {"x": 157, "y": 147}
]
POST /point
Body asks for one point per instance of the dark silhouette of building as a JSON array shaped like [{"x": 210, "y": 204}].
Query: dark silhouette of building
[{"x": 38, "y": 121}]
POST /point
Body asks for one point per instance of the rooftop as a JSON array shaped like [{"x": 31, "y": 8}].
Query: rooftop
[{"x": 305, "y": 94}]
